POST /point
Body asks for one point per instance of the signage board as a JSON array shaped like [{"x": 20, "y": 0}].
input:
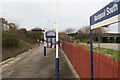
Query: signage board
[
  {"x": 108, "y": 15},
  {"x": 51, "y": 34}
]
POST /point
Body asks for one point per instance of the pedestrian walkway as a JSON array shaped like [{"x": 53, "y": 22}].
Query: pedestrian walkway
[{"x": 40, "y": 66}]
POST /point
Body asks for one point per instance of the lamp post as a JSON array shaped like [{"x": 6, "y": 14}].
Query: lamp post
[
  {"x": 44, "y": 31},
  {"x": 56, "y": 56},
  {"x": 45, "y": 42}
]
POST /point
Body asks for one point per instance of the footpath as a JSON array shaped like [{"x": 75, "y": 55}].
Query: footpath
[{"x": 33, "y": 64}]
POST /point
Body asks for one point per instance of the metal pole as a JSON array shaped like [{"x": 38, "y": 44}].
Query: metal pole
[
  {"x": 62, "y": 42},
  {"x": 57, "y": 57},
  {"x": 45, "y": 42},
  {"x": 57, "y": 43},
  {"x": 91, "y": 56}
]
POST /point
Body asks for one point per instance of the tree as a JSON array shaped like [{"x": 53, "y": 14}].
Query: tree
[
  {"x": 98, "y": 33},
  {"x": 35, "y": 34},
  {"x": 22, "y": 31},
  {"x": 86, "y": 29},
  {"x": 36, "y": 29},
  {"x": 84, "y": 33},
  {"x": 69, "y": 30},
  {"x": 63, "y": 35}
]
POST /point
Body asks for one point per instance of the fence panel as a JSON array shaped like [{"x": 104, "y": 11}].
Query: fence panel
[{"x": 104, "y": 66}]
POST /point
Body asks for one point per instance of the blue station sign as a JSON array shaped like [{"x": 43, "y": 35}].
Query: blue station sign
[{"x": 110, "y": 12}]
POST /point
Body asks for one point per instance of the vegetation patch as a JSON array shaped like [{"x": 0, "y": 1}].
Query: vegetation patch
[
  {"x": 112, "y": 52},
  {"x": 18, "y": 41}
]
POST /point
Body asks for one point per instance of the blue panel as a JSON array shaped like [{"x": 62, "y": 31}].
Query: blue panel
[
  {"x": 44, "y": 50},
  {"x": 57, "y": 68},
  {"x": 91, "y": 57},
  {"x": 110, "y": 10}
]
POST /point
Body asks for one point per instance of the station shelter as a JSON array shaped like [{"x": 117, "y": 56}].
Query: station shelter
[{"x": 50, "y": 39}]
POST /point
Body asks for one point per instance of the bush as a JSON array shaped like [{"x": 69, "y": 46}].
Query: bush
[
  {"x": 78, "y": 41},
  {"x": 10, "y": 40},
  {"x": 83, "y": 40},
  {"x": 88, "y": 41}
]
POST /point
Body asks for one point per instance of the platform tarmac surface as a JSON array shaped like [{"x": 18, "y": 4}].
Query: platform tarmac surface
[{"x": 39, "y": 66}]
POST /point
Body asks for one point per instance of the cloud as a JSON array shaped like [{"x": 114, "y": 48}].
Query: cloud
[{"x": 72, "y": 13}]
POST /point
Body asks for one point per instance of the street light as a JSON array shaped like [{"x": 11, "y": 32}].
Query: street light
[
  {"x": 45, "y": 42},
  {"x": 44, "y": 31},
  {"x": 56, "y": 56}
]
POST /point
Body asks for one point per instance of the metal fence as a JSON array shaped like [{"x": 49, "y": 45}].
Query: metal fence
[{"x": 104, "y": 65}]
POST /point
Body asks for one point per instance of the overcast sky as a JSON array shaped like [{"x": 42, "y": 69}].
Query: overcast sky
[{"x": 41, "y": 13}]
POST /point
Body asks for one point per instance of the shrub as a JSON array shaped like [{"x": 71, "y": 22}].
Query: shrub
[
  {"x": 88, "y": 41},
  {"x": 78, "y": 41},
  {"x": 10, "y": 40}
]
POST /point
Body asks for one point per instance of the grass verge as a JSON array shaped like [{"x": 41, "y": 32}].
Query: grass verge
[{"x": 112, "y": 52}]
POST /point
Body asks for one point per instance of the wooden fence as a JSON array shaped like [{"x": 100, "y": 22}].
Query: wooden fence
[{"x": 104, "y": 66}]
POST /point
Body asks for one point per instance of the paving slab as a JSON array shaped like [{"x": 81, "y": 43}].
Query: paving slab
[{"x": 39, "y": 66}]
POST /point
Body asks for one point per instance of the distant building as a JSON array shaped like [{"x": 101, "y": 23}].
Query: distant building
[
  {"x": 110, "y": 38},
  {"x": 12, "y": 27},
  {"x": 4, "y": 24},
  {"x": 7, "y": 26}
]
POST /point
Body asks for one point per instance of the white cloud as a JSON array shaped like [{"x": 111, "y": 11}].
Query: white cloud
[
  {"x": 32, "y": 13},
  {"x": 55, "y": 0},
  {"x": 0, "y": 9}
]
